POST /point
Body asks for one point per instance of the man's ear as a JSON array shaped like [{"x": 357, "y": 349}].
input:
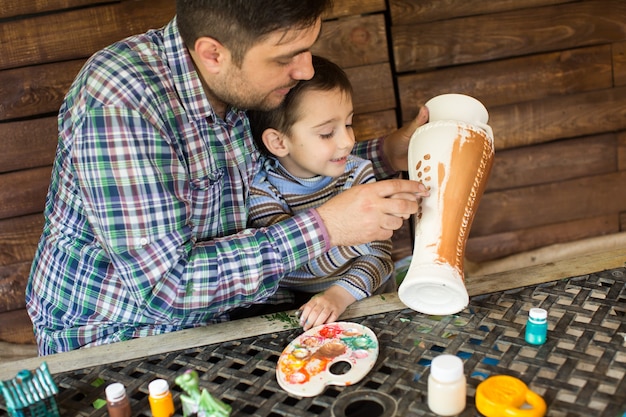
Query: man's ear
[
  {"x": 211, "y": 53},
  {"x": 275, "y": 142}
]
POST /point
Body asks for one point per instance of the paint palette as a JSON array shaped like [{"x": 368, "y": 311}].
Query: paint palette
[{"x": 331, "y": 354}]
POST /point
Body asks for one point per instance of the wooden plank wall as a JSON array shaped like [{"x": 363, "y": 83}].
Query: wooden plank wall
[
  {"x": 552, "y": 74},
  {"x": 45, "y": 43}
]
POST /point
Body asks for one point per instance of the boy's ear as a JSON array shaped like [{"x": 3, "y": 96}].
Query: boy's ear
[
  {"x": 275, "y": 142},
  {"x": 211, "y": 53}
]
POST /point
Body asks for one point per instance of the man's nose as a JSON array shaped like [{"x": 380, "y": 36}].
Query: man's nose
[{"x": 303, "y": 67}]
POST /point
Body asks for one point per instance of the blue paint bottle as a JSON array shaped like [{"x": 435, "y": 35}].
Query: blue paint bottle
[{"x": 537, "y": 326}]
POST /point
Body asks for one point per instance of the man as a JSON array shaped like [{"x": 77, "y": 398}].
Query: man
[{"x": 145, "y": 227}]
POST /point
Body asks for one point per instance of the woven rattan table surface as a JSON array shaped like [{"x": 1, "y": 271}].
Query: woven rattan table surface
[{"x": 579, "y": 371}]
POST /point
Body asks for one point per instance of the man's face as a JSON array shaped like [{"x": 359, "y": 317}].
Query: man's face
[{"x": 268, "y": 71}]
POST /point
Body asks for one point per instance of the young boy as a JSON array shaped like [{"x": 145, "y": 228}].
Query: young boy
[{"x": 307, "y": 142}]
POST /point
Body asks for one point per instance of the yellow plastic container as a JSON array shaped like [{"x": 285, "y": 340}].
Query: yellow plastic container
[{"x": 507, "y": 396}]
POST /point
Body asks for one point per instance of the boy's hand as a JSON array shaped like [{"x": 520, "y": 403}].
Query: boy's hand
[{"x": 325, "y": 307}]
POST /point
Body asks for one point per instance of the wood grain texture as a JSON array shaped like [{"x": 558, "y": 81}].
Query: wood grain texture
[
  {"x": 552, "y": 118},
  {"x": 13, "y": 279},
  {"x": 342, "y": 8},
  {"x": 619, "y": 63},
  {"x": 16, "y": 327},
  {"x": 23, "y": 192},
  {"x": 12, "y": 8},
  {"x": 421, "y": 11},
  {"x": 621, "y": 151},
  {"x": 512, "y": 80},
  {"x": 499, "y": 245},
  {"x": 374, "y": 125},
  {"x": 77, "y": 33},
  {"x": 551, "y": 254},
  {"x": 553, "y": 162},
  {"x": 18, "y": 239},
  {"x": 373, "y": 88},
  {"x": 233, "y": 330},
  {"x": 507, "y": 34},
  {"x": 28, "y": 144},
  {"x": 355, "y": 41},
  {"x": 540, "y": 205},
  {"x": 35, "y": 90}
]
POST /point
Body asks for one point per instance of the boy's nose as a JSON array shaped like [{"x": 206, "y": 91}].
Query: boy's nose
[{"x": 346, "y": 138}]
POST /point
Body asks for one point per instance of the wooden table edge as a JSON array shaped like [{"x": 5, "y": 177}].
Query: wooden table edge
[{"x": 256, "y": 326}]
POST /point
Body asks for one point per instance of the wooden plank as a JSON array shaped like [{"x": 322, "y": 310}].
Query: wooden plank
[
  {"x": 511, "y": 80},
  {"x": 23, "y": 192},
  {"x": 539, "y": 205},
  {"x": 539, "y": 121},
  {"x": 405, "y": 12},
  {"x": 13, "y": 279},
  {"x": 582, "y": 263},
  {"x": 374, "y": 125},
  {"x": 223, "y": 332},
  {"x": 355, "y": 41},
  {"x": 18, "y": 240},
  {"x": 548, "y": 254},
  {"x": 500, "y": 245},
  {"x": 27, "y": 144},
  {"x": 508, "y": 34},
  {"x": 619, "y": 63},
  {"x": 12, "y": 8},
  {"x": 77, "y": 33},
  {"x": 16, "y": 327},
  {"x": 10, "y": 352},
  {"x": 35, "y": 90},
  {"x": 351, "y": 7},
  {"x": 554, "y": 161},
  {"x": 621, "y": 151},
  {"x": 373, "y": 88}
]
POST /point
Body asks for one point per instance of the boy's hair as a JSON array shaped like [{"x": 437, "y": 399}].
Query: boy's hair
[
  {"x": 328, "y": 76},
  {"x": 239, "y": 24}
]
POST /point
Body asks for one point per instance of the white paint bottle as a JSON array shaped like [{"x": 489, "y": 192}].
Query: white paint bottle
[{"x": 447, "y": 386}]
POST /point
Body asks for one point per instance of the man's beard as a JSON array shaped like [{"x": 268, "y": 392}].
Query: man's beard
[{"x": 237, "y": 94}]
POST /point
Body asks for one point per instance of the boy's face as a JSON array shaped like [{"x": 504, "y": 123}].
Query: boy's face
[
  {"x": 322, "y": 138},
  {"x": 269, "y": 70}
]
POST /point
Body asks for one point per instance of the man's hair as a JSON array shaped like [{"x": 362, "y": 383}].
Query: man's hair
[
  {"x": 328, "y": 76},
  {"x": 239, "y": 24}
]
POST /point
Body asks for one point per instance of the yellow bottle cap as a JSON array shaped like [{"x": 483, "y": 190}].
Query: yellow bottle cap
[{"x": 504, "y": 395}]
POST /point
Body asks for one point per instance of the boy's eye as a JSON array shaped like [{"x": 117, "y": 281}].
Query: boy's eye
[{"x": 327, "y": 135}]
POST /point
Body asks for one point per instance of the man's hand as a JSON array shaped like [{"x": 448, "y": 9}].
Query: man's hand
[
  {"x": 369, "y": 212},
  {"x": 396, "y": 145}
]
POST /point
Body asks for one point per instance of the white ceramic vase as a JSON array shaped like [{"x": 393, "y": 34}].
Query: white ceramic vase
[{"x": 452, "y": 156}]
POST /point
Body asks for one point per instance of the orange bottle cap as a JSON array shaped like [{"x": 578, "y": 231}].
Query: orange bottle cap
[{"x": 504, "y": 395}]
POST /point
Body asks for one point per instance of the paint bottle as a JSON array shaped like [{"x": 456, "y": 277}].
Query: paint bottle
[
  {"x": 118, "y": 404},
  {"x": 537, "y": 326},
  {"x": 160, "y": 398},
  {"x": 446, "y": 386}
]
